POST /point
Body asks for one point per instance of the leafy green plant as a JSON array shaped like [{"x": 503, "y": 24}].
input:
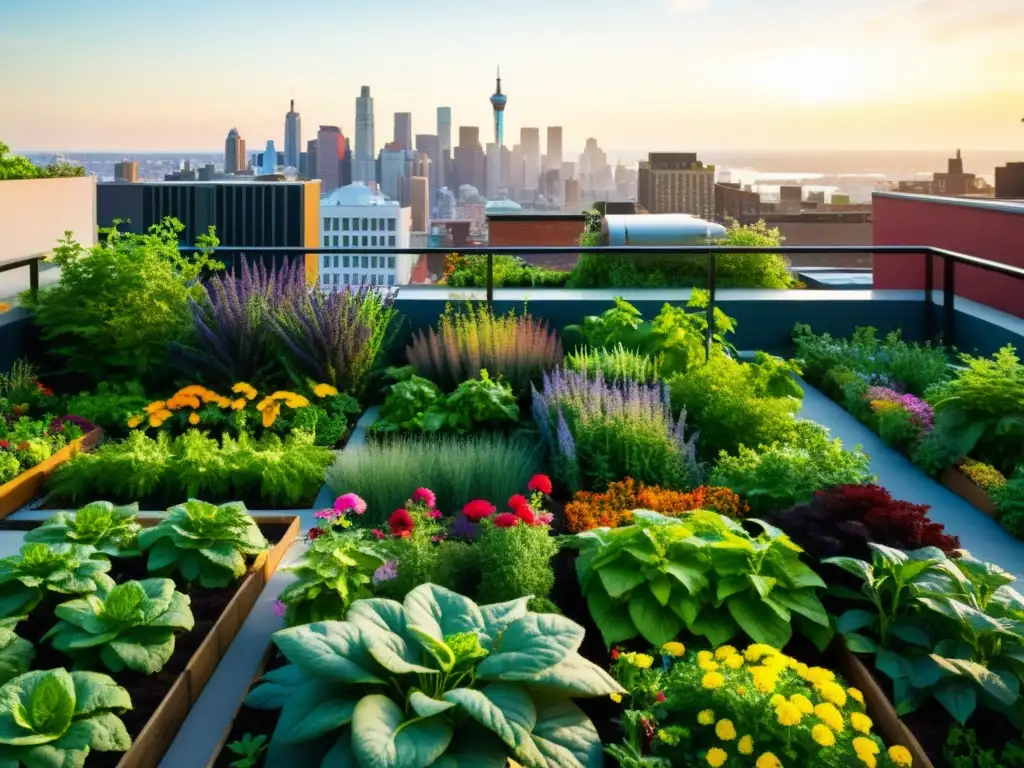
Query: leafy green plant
[
  {"x": 110, "y": 405},
  {"x": 14, "y": 167},
  {"x": 39, "y": 569},
  {"x": 57, "y": 718},
  {"x": 434, "y": 680},
  {"x": 615, "y": 363},
  {"x": 111, "y": 530},
  {"x": 131, "y": 626},
  {"x": 507, "y": 271},
  {"x": 411, "y": 406},
  {"x": 781, "y": 475},
  {"x": 480, "y": 404},
  {"x": 701, "y": 571},
  {"x": 16, "y": 653},
  {"x": 203, "y": 542},
  {"x": 962, "y": 750},
  {"x": 1009, "y": 501},
  {"x": 249, "y": 750},
  {"x": 514, "y": 561}
]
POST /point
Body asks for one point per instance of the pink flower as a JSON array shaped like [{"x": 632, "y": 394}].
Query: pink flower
[
  {"x": 350, "y": 502},
  {"x": 424, "y": 496},
  {"x": 478, "y": 509},
  {"x": 540, "y": 483},
  {"x": 506, "y": 520},
  {"x": 324, "y": 514},
  {"x": 401, "y": 524},
  {"x": 659, "y": 697},
  {"x": 544, "y": 518},
  {"x": 439, "y": 538},
  {"x": 279, "y": 608},
  {"x": 433, "y": 514},
  {"x": 517, "y": 501},
  {"x": 378, "y": 533}
]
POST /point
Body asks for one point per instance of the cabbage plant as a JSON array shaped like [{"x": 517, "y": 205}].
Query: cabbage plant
[
  {"x": 54, "y": 718},
  {"x": 436, "y": 680},
  {"x": 111, "y": 530},
  {"x": 65, "y": 569},
  {"x": 130, "y": 627},
  {"x": 16, "y": 653},
  {"x": 203, "y": 542}
]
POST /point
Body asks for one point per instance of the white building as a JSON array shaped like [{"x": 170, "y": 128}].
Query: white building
[{"x": 368, "y": 223}]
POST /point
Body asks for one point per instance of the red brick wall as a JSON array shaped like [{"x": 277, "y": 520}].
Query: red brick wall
[
  {"x": 991, "y": 233},
  {"x": 534, "y": 230}
]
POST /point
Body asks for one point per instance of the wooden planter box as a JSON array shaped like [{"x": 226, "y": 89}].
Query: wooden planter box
[
  {"x": 26, "y": 486},
  {"x": 956, "y": 481},
  {"x": 887, "y": 723}
]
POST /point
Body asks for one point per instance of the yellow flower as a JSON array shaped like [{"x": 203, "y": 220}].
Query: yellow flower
[
  {"x": 193, "y": 419},
  {"x": 225, "y": 402},
  {"x": 856, "y": 695},
  {"x": 708, "y": 666},
  {"x": 817, "y": 675},
  {"x": 741, "y": 690},
  {"x": 755, "y": 651},
  {"x": 281, "y": 394},
  {"x": 830, "y": 716},
  {"x": 672, "y": 648},
  {"x": 238, "y": 404},
  {"x": 4, "y": 307},
  {"x": 716, "y": 757},
  {"x": 734, "y": 662},
  {"x": 246, "y": 390},
  {"x": 158, "y": 418},
  {"x": 706, "y": 717},
  {"x": 643, "y": 661},
  {"x": 263, "y": 404},
  {"x": 778, "y": 661},
  {"x": 861, "y": 722},
  {"x": 712, "y": 680},
  {"x": 705, "y": 656},
  {"x": 864, "y": 746},
  {"x": 776, "y": 699},
  {"x": 270, "y": 415},
  {"x": 802, "y": 703},
  {"x": 725, "y": 730},
  {"x": 868, "y": 760},
  {"x": 324, "y": 390},
  {"x": 134, "y": 421},
  {"x": 823, "y": 735},
  {"x": 725, "y": 652},
  {"x": 832, "y": 692},
  {"x": 900, "y": 756},
  {"x": 296, "y": 401},
  {"x": 801, "y": 668},
  {"x": 768, "y": 760},
  {"x": 158, "y": 405},
  {"x": 764, "y": 678},
  {"x": 787, "y": 714},
  {"x": 616, "y": 697},
  {"x": 745, "y": 745}
]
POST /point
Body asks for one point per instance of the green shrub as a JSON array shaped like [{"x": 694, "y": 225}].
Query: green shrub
[
  {"x": 614, "y": 364},
  {"x": 456, "y": 469},
  {"x": 110, "y": 406},
  {"x": 15, "y": 167},
  {"x": 470, "y": 271},
  {"x": 1009, "y": 501}
]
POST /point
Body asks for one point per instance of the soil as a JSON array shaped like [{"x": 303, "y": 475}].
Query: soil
[{"x": 251, "y": 721}]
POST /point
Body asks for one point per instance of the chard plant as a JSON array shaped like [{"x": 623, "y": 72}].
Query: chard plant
[
  {"x": 112, "y": 530},
  {"x": 130, "y": 627},
  {"x": 436, "y": 680},
  {"x": 203, "y": 542},
  {"x": 701, "y": 571},
  {"x": 54, "y": 718},
  {"x": 38, "y": 569}
]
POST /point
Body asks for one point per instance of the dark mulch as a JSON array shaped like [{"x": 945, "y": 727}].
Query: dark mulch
[{"x": 251, "y": 721}]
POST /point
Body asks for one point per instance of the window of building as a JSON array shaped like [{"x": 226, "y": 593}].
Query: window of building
[
  {"x": 365, "y": 262},
  {"x": 373, "y": 262},
  {"x": 366, "y": 226},
  {"x": 336, "y": 276},
  {"x": 335, "y": 241},
  {"x": 355, "y": 224},
  {"x": 335, "y": 262},
  {"x": 391, "y": 239},
  {"x": 344, "y": 262},
  {"x": 391, "y": 225},
  {"x": 391, "y": 261},
  {"x": 335, "y": 224},
  {"x": 365, "y": 239},
  {"x": 327, "y": 224},
  {"x": 344, "y": 240},
  {"x": 391, "y": 279},
  {"x": 346, "y": 278},
  {"x": 327, "y": 240},
  {"x": 327, "y": 262},
  {"x": 362, "y": 280},
  {"x": 373, "y": 240},
  {"x": 373, "y": 279},
  {"x": 344, "y": 224},
  {"x": 373, "y": 225}
]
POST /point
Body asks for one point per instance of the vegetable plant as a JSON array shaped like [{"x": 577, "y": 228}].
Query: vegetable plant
[
  {"x": 203, "y": 542},
  {"x": 249, "y": 750},
  {"x": 110, "y": 529},
  {"x": 39, "y": 569},
  {"x": 57, "y": 718},
  {"x": 16, "y": 653},
  {"x": 435, "y": 680},
  {"x": 410, "y": 405},
  {"x": 701, "y": 571},
  {"x": 131, "y": 626}
]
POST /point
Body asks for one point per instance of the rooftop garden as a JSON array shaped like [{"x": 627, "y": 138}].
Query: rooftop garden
[
  {"x": 545, "y": 547},
  {"x": 14, "y": 167}
]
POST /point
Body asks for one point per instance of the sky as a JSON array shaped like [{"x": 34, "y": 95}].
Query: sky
[{"x": 659, "y": 75}]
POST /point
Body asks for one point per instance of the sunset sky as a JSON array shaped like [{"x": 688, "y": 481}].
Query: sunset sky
[{"x": 647, "y": 74}]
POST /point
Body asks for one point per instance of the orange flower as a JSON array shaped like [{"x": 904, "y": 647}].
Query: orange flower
[
  {"x": 193, "y": 419},
  {"x": 270, "y": 414},
  {"x": 238, "y": 404},
  {"x": 158, "y": 405}
]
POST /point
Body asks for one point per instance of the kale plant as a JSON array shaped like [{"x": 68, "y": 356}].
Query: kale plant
[
  {"x": 111, "y": 530},
  {"x": 64, "y": 569}
]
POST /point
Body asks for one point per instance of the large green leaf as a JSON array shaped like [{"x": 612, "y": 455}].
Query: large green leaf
[
  {"x": 383, "y": 738},
  {"x": 440, "y": 612},
  {"x": 504, "y": 709},
  {"x": 619, "y": 579},
  {"x": 660, "y": 588},
  {"x": 333, "y": 650},
  {"x": 530, "y": 644},
  {"x": 177, "y": 615},
  {"x": 728, "y": 586},
  {"x": 852, "y": 565},
  {"x": 102, "y": 731},
  {"x": 986, "y": 679},
  {"x": 716, "y": 624},
  {"x": 143, "y": 651},
  {"x": 576, "y": 676},
  {"x": 276, "y": 686},
  {"x": 657, "y": 624},
  {"x": 314, "y": 710},
  {"x": 497, "y": 616},
  {"x": 442, "y": 654},
  {"x": 958, "y": 697},
  {"x": 424, "y": 706},
  {"x": 340, "y": 755},
  {"x": 799, "y": 575},
  {"x": 802, "y": 601},
  {"x": 36, "y": 707},
  {"x": 473, "y": 747},
  {"x": 854, "y": 619},
  {"x": 611, "y": 618},
  {"x": 566, "y": 737},
  {"x": 95, "y": 691},
  {"x": 689, "y": 576},
  {"x": 759, "y": 621}
]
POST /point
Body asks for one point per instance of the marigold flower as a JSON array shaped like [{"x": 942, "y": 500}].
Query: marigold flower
[
  {"x": 768, "y": 760},
  {"x": 832, "y": 692},
  {"x": 192, "y": 390},
  {"x": 734, "y": 662},
  {"x": 134, "y": 421},
  {"x": 270, "y": 415},
  {"x": 281, "y": 394},
  {"x": 823, "y": 735},
  {"x": 776, "y": 699},
  {"x": 296, "y": 401},
  {"x": 724, "y": 652},
  {"x": 900, "y": 755},
  {"x": 745, "y": 745},
  {"x": 209, "y": 396},
  {"x": 674, "y": 649},
  {"x": 716, "y": 757},
  {"x": 802, "y": 703},
  {"x": 540, "y": 483},
  {"x": 860, "y": 722},
  {"x": 478, "y": 509},
  {"x": 708, "y": 666},
  {"x": 856, "y": 695},
  {"x": 157, "y": 405},
  {"x": 868, "y": 760},
  {"x": 616, "y": 697},
  {"x": 705, "y": 656},
  {"x": 159, "y": 418},
  {"x": 245, "y": 390},
  {"x": 401, "y": 524},
  {"x": 193, "y": 419},
  {"x": 265, "y": 403},
  {"x": 764, "y": 678},
  {"x": 225, "y": 402},
  {"x": 641, "y": 660},
  {"x": 713, "y": 680},
  {"x": 864, "y": 746},
  {"x": 787, "y": 714},
  {"x": 725, "y": 730},
  {"x": 706, "y": 717},
  {"x": 506, "y": 520},
  {"x": 324, "y": 390},
  {"x": 831, "y": 716},
  {"x": 818, "y": 675},
  {"x": 756, "y": 651}
]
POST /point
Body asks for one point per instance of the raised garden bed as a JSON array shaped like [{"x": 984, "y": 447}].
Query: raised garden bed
[
  {"x": 26, "y": 486},
  {"x": 161, "y": 702},
  {"x": 957, "y": 482}
]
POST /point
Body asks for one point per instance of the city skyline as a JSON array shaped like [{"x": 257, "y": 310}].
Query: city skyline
[{"x": 885, "y": 74}]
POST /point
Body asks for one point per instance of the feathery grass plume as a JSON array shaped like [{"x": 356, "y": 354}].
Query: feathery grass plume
[
  {"x": 456, "y": 469},
  {"x": 616, "y": 363},
  {"x": 599, "y": 432},
  {"x": 515, "y": 348}
]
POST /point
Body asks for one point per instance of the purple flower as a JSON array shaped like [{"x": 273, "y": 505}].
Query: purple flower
[
  {"x": 920, "y": 412},
  {"x": 464, "y": 528},
  {"x": 386, "y": 572},
  {"x": 279, "y": 608},
  {"x": 424, "y": 496},
  {"x": 350, "y": 501},
  {"x": 57, "y": 425}
]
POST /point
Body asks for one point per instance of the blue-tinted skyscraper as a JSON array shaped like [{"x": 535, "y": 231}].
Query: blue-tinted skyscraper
[{"x": 269, "y": 159}]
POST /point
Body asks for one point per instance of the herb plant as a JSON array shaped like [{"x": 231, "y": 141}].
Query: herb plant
[
  {"x": 131, "y": 626},
  {"x": 110, "y": 405},
  {"x": 701, "y": 571},
  {"x": 111, "y": 530},
  {"x": 39, "y": 569},
  {"x": 615, "y": 363},
  {"x": 57, "y": 718},
  {"x": 249, "y": 750},
  {"x": 480, "y": 404},
  {"x": 203, "y": 542},
  {"x": 434, "y": 679}
]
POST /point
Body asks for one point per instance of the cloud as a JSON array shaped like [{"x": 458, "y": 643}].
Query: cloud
[
  {"x": 683, "y": 7},
  {"x": 947, "y": 21}
]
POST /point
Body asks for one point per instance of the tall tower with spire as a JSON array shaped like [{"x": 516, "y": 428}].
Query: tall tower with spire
[
  {"x": 498, "y": 100},
  {"x": 292, "y": 137}
]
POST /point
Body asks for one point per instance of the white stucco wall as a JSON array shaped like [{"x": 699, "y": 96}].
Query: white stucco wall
[{"x": 35, "y": 213}]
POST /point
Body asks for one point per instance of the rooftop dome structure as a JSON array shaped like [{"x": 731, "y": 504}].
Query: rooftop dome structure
[
  {"x": 502, "y": 206},
  {"x": 355, "y": 195}
]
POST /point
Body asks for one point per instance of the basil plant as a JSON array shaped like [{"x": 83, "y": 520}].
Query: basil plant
[
  {"x": 55, "y": 718},
  {"x": 436, "y": 680},
  {"x": 111, "y": 530},
  {"x": 203, "y": 542},
  {"x": 130, "y": 627},
  {"x": 64, "y": 569}
]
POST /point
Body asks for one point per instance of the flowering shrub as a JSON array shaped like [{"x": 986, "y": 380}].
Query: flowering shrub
[
  {"x": 753, "y": 708},
  {"x": 985, "y": 476},
  {"x": 615, "y": 506}
]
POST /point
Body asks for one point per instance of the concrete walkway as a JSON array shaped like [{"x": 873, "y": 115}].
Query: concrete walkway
[{"x": 982, "y": 536}]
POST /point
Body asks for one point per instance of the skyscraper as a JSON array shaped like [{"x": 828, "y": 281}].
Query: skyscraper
[
  {"x": 554, "y": 154},
  {"x": 269, "y": 159},
  {"x": 292, "y": 137},
  {"x": 428, "y": 144},
  {"x": 310, "y": 171},
  {"x": 364, "y": 166},
  {"x": 330, "y": 157},
  {"x": 126, "y": 170},
  {"x": 529, "y": 138},
  {"x": 470, "y": 162},
  {"x": 403, "y": 130},
  {"x": 498, "y": 100},
  {"x": 234, "y": 152},
  {"x": 444, "y": 128}
]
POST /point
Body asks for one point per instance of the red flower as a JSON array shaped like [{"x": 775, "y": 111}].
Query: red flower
[
  {"x": 4, "y": 444},
  {"x": 615, "y": 653},
  {"x": 478, "y": 509},
  {"x": 401, "y": 524},
  {"x": 518, "y": 501},
  {"x": 314, "y": 533},
  {"x": 525, "y": 514},
  {"x": 378, "y": 533},
  {"x": 506, "y": 520},
  {"x": 540, "y": 483},
  {"x": 659, "y": 697}
]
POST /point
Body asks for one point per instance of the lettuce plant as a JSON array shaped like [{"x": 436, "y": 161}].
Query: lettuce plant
[
  {"x": 16, "y": 653},
  {"x": 130, "y": 627},
  {"x": 111, "y": 530},
  {"x": 701, "y": 571},
  {"x": 436, "y": 680},
  {"x": 203, "y": 542},
  {"x": 65, "y": 569},
  {"x": 54, "y": 718}
]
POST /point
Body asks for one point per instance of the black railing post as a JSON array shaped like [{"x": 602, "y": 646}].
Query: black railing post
[
  {"x": 711, "y": 305},
  {"x": 929, "y": 303},
  {"x": 490, "y": 281},
  {"x": 948, "y": 292},
  {"x": 33, "y": 278}
]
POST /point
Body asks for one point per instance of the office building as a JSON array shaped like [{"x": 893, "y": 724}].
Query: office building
[
  {"x": 364, "y": 157},
  {"x": 470, "y": 162},
  {"x": 330, "y": 153},
  {"x": 403, "y": 130},
  {"x": 367, "y": 223},
  {"x": 954, "y": 182},
  {"x": 292, "y": 137},
  {"x": 553, "y": 158},
  {"x": 733, "y": 203},
  {"x": 529, "y": 140},
  {"x": 420, "y": 203},
  {"x": 268, "y": 160},
  {"x": 396, "y": 169},
  {"x": 572, "y": 196},
  {"x": 676, "y": 182},
  {"x": 309, "y": 169},
  {"x": 126, "y": 170},
  {"x": 444, "y": 128},
  {"x": 493, "y": 171},
  {"x": 234, "y": 153},
  {"x": 1010, "y": 181},
  {"x": 429, "y": 145}
]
